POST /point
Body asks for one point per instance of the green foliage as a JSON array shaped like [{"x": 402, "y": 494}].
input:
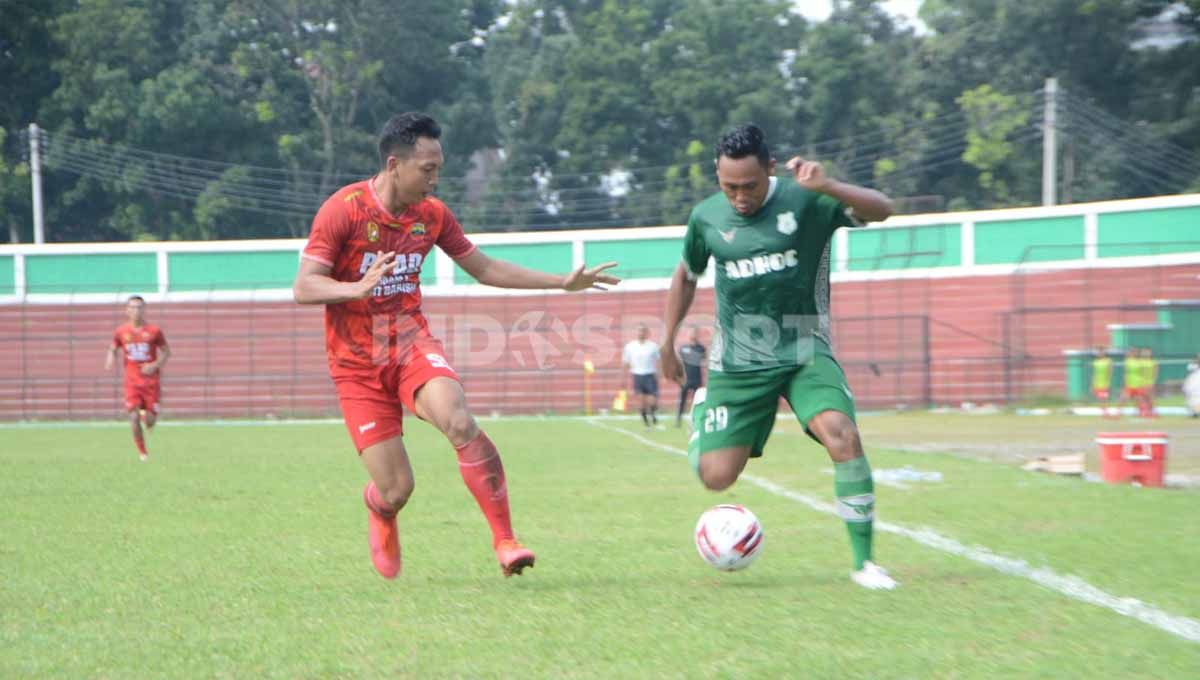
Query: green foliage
[
  {"x": 545, "y": 102},
  {"x": 993, "y": 118}
]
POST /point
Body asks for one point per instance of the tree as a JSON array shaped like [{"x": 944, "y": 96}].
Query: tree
[{"x": 993, "y": 120}]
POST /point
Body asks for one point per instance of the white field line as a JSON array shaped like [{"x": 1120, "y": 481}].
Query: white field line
[{"x": 1071, "y": 586}]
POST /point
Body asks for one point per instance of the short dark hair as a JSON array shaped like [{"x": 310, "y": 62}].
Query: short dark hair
[
  {"x": 744, "y": 140},
  {"x": 139, "y": 298},
  {"x": 400, "y": 133}
]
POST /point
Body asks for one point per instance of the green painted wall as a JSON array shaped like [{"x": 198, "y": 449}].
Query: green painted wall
[
  {"x": 938, "y": 245},
  {"x": 550, "y": 257},
  {"x": 1035, "y": 240},
  {"x": 231, "y": 271},
  {"x": 8, "y": 282},
  {"x": 650, "y": 258},
  {"x": 1149, "y": 232},
  {"x": 107, "y": 273}
]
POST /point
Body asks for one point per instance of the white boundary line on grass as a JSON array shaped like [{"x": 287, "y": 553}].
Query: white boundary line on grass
[{"x": 1071, "y": 586}]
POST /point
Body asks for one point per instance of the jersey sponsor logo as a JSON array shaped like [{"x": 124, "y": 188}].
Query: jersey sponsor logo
[
  {"x": 728, "y": 235},
  {"x": 418, "y": 229},
  {"x": 402, "y": 278},
  {"x": 137, "y": 351},
  {"x": 372, "y": 232},
  {"x": 786, "y": 223},
  {"x": 761, "y": 264}
]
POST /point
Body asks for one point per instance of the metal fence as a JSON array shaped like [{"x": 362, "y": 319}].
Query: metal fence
[{"x": 904, "y": 342}]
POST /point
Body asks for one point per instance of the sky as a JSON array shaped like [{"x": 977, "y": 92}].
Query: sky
[{"x": 818, "y": 10}]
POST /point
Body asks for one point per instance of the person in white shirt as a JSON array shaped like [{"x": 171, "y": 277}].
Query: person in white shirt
[
  {"x": 1191, "y": 387},
  {"x": 641, "y": 356}
]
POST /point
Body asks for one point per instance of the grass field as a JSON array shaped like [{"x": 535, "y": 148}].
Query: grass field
[{"x": 240, "y": 552}]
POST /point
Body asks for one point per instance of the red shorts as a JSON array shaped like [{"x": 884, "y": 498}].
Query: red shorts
[
  {"x": 143, "y": 396},
  {"x": 371, "y": 398}
]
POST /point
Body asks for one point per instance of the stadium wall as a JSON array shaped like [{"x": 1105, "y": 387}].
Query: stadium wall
[{"x": 942, "y": 308}]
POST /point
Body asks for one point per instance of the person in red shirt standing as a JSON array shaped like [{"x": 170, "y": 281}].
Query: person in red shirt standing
[
  {"x": 146, "y": 352},
  {"x": 362, "y": 261}
]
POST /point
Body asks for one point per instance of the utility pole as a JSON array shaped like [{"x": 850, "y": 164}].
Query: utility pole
[
  {"x": 35, "y": 171},
  {"x": 1050, "y": 143}
]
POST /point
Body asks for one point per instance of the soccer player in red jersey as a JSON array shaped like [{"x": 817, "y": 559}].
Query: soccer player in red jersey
[
  {"x": 363, "y": 261},
  {"x": 146, "y": 351}
]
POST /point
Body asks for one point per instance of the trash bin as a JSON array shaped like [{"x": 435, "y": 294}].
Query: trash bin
[{"x": 1137, "y": 457}]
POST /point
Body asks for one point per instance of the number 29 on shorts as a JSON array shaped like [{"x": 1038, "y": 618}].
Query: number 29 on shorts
[{"x": 716, "y": 419}]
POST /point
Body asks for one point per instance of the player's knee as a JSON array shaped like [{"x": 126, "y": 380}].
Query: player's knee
[
  {"x": 716, "y": 476},
  {"x": 840, "y": 436},
  {"x": 397, "y": 492},
  {"x": 718, "y": 481},
  {"x": 461, "y": 427}
]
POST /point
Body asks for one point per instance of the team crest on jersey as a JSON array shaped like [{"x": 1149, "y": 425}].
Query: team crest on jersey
[
  {"x": 128, "y": 337},
  {"x": 785, "y": 222},
  {"x": 372, "y": 232},
  {"x": 418, "y": 229}
]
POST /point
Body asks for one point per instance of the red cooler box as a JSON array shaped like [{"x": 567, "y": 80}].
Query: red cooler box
[{"x": 1133, "y": 457}]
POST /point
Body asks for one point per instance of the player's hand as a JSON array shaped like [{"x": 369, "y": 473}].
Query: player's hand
[
  {"x": 583, "y": 278},
  {"x": 808, "y": 174},
  {"x": 672, "y": 367},
  {"x": 383, "y": 263},
  {"x": 149, "y": 369}
]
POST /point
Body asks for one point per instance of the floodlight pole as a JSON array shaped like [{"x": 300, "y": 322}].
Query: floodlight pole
[
  {"x": 1050, "y": 144},
  {"x": 35, "y": 171}
]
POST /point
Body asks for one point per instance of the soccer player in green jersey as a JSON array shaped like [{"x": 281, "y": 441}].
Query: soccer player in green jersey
[{"x": 769, "y": 238}]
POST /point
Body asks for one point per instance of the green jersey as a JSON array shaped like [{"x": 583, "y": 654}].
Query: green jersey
[{"x": 772, "y": 277}]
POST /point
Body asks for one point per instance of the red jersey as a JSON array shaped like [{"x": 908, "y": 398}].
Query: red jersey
[
  {"x": 141, "y": 346},
  {"x": 348, "y": 231}
]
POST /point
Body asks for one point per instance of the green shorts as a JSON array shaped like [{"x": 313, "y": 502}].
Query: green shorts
[{"x": 738, "y": 409}]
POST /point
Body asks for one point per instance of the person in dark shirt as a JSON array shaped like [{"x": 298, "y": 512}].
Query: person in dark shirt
[{"x": 693, "y": 355}]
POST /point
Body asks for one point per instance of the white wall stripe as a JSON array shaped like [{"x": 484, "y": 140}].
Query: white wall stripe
[
  {"x": 163, "y": 272},
  {"x": 19, "y": 287},
  {"x": 1091, "y": 236},
  {"x": 967, "y": 244},
  {"x": 1070, "y": 586}
]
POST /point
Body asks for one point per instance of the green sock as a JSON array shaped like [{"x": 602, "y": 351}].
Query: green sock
[{"x": 855, "y": 492}]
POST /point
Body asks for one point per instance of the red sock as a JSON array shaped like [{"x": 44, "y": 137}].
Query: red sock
[
  {"x": 479, "y": 463},
  {"x": 376, "y": 501},
  {"x": 141, "y": 443}
]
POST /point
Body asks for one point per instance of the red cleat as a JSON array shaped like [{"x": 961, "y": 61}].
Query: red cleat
[
  {"x": 513, "y": 557},
  {"x": 384, "y": 539}
]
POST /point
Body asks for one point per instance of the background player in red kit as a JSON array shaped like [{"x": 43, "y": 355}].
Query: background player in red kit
[
  {"x": 146, "y": 351},
  {"x": 363, "y": 261}
]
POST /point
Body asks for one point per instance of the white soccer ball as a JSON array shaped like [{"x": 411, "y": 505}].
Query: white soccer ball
[{"x": 729, "y": 537}]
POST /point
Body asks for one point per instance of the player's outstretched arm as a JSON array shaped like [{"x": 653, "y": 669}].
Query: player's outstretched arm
[
  {"x": 679, "y": 301},
  {"x": 110, "y": 357},
  {"x": 869, "y": 205},
  {"x": 315, "y": 286},
  {"x": 501, "y": 274}
]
